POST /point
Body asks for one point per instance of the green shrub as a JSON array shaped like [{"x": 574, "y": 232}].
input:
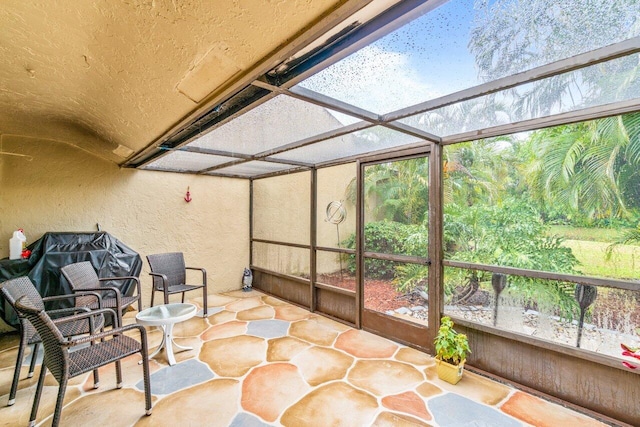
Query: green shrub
[
  {"x": 387, "y": 237},
  {"x": 509, "y": 234}
]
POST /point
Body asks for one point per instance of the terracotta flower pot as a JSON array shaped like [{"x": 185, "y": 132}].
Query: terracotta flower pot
[{"x": 448, "y": 372}]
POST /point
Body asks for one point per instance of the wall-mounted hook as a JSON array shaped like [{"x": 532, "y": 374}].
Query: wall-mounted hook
[{"x": 187, "y": 198}]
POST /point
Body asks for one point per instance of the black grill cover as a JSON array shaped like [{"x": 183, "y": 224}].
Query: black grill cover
[{"x": 109, "y": 256}]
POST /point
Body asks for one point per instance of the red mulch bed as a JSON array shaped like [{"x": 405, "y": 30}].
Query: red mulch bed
[{"x": 379, "y": 295}]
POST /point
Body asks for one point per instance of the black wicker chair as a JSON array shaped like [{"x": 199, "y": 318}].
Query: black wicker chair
[
  {"x": 14, "y": 289},
  {"x": 65, "y": 364},
  {"x": 82, "y": 278},
  {"x": 169, "y": 277}
]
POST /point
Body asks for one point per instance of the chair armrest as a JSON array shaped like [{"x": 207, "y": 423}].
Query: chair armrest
[
  {"x": 118, "y": 297},
  {"x": 73, "y": 295},
  {"x": 81, "y": 316},
  {"x": 204, "y": 273},
  {"x": 115, "y": 331},
  {"x": 66, "y": 310},
  {"x": 136, "y": 279},
  {"x": 103, "y": 289},
  {"x": 102, "y": 279},
  {"x": 162, "y": 276},
  {"x": 165, "y": 281}
]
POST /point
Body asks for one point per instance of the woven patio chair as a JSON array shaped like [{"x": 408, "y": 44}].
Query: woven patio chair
[
  {"x": 169, "y": 277},
  {"x": 82, "y": 277},
  {"x": 14, "y": 289},
  {"x": 65, "y": 364}
]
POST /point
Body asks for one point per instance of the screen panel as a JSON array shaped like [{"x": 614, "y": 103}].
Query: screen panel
[
  {"x": 281, "y": 208},
  {"x": 360, "y": 142},
  {"x": 480, "y": 41},
  {"x": 277, "y": 122},
  {"x": 184, "y": 161}
]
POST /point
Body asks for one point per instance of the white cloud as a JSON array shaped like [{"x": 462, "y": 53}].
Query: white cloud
[{"x": 374, "y": 79}]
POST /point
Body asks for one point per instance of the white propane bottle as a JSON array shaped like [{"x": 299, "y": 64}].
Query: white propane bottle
[{"x": 16, "y": 244}]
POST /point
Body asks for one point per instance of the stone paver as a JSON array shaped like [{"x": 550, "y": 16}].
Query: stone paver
[
  {"x": 413, "y": 356},
  {"x": 268, "y": 328},
  {"x": 285, "y": 385},
  {"x": 174, "y": 378},
  {"x": 247, "y": 420},
  {"x": 244, "y": 304},
  {"x": 408, "y": 402},
  {"x": 320, "y": 365},
  {"x": 477, "y": 388},
  {"x": 257, "y": 313},
  {"x": 195, "y": 405},
  {"x": 541, "y": 413},
  {"x": 258, "y": 361},
  {"x": 452, "y": 410},
  {"x": 384, "y": 377},
  {"x": 225, "y": 330},
  {"x": 233, "y": 357},
  {"x": 313, "y": 332},
  {"x": 365, "y": 345},
  {"x": 336, "y": 404},
  {"x": 125, "y": 407},
  {"x": 284, "y": 349},
  {"x": 390, "y": 419},
  {"x": 290, "y": 313}
]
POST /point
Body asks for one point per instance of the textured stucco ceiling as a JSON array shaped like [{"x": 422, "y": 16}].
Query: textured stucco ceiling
[{"x": 104, "y": 74}]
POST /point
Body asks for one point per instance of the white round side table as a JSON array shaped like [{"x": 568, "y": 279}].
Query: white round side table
[{"x": 167, "y": 315}]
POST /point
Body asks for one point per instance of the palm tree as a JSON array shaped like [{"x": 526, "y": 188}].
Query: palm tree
[
  {"x": 396, "y": 191},
  {"x": 477, "y": 172},
  {"x": 588, "y": 169},
  {"x": 509, "y": 36}
]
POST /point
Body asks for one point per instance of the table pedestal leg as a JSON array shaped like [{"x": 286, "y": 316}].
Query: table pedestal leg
[
  {"x": 167, "y": 343},
  {"x": 162, "y": 344},
  {"x": 168, "y": 340}
]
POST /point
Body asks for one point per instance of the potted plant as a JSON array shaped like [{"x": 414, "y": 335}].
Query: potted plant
[{"x": 451, "y": 352}]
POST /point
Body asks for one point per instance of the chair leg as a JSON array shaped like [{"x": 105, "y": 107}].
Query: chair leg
[
  {"x": 147, "y": 386},
  {"x": 96, "y": 375},
  {"x": 144, "y": 351},
  {"x": 153, "y": 292},
  {"x": 183, "y": 297},
  {"x": 61, "y": 391},
  {"x": 34, "y": 357},
  {"x": 16, "y": 372},
  {"x": 118, "y": 374},
  {"x": 36, "y": 398},
  {"x": 96, "y": 379},
  {"x": 204, "y": 301}
]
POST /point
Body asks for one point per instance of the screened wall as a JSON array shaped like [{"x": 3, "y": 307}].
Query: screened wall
[{"x": 529, "y": 112}]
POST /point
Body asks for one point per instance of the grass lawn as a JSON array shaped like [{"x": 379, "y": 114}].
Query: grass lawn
[
  {"x": 608, "y": 235},
  {"x": 589, "y": 245},
  {"x": 624, "y": 262}
]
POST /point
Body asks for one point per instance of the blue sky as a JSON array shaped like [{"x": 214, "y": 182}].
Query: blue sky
[
  {"x": 429, "y": 57},
  {"x": 436, "y": 44},
  {"x": 424, "y": 59}
]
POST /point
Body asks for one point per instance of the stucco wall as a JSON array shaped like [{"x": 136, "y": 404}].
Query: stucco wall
[
  {"x": 281, "y": 213},
  {"x": 66, "y": 189}
]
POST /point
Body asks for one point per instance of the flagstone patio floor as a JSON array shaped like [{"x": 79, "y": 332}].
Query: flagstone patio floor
[{"x": 258, "y": 361}]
